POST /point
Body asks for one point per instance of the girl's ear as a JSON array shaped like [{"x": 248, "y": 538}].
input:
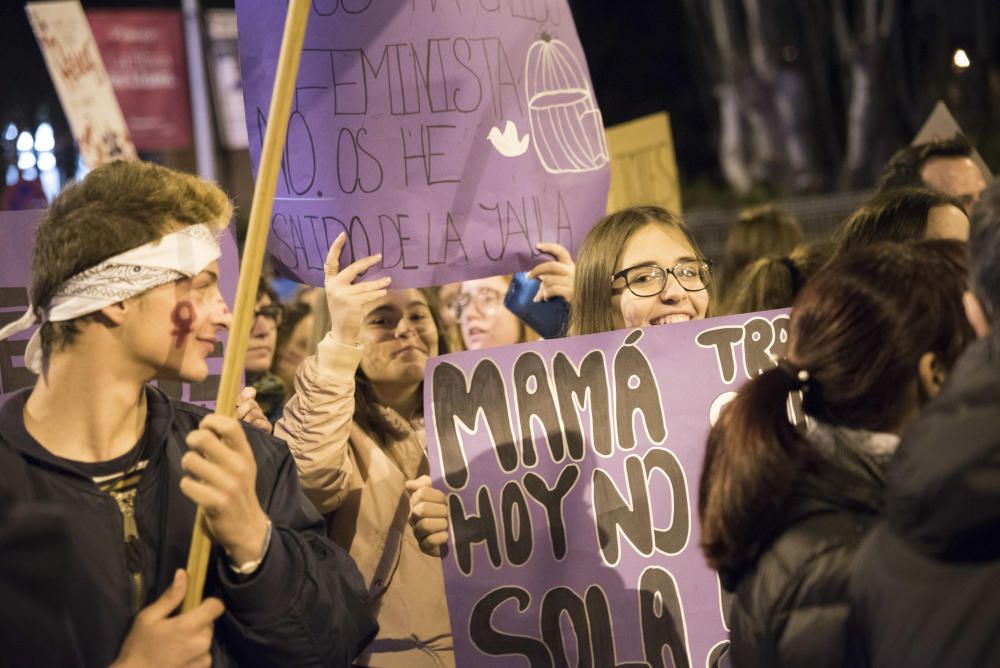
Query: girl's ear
[
  {"x": 931, "y": 373},
  {"x": 976, "y": 314},
  {"x": 116, "y": 312}
]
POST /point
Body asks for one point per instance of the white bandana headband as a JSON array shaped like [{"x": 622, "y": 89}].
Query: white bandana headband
[{"x": 178, "y": 255}]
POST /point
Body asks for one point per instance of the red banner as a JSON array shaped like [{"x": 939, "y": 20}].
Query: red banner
[{"x": 143, "y": 50}]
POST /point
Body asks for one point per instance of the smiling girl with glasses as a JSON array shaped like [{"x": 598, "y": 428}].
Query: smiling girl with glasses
[{"x": 639, "y": 267}]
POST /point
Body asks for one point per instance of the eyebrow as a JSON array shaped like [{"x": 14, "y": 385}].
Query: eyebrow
[
  {"x": 653, "y": 263},
  {"x": 385, "y": 308},
  {"x": 213, "y": 277}
]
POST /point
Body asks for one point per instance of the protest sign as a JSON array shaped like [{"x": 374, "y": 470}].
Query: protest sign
[
  {"x": 643, "y": 165},
  {"x": 81, "y": 81},
  {"x": 450, "y": 136},
  {"x": 571, "y": 468},
  {"x": 17, "y": 238},
  {"x": 143, "y": 50}
]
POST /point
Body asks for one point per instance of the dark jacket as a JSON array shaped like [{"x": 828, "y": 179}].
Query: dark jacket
[
  {"x": 303, "y": 607},
  {"x": 926, "y": 589},
  {"x": 790, "y": 605}
]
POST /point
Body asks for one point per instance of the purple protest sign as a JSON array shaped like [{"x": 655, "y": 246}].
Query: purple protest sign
[
  {"x": 450, "y": 136},
  {"x": 571, "y": 468},
  {"x": 17, "y": 238}
]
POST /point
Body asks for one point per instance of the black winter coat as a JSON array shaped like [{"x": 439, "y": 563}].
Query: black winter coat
[
  {"x": 926, "y": 589},
  {"x": 790, "y": 606},
  {"x": 303, "y": 607}
]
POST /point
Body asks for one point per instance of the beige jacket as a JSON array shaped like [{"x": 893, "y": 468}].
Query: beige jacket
[{"x": 357, "y": 482}]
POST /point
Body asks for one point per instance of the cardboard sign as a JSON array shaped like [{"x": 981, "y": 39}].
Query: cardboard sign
[
  {"x": 450, "y": 136},
  {"x": 941, "y": 125},
  {"x": 643, "y": 166},
  {"x": 143, "y": 50},
  {"x": 571, "y": 468},
  {"x": 82, "y": 82},
  {"x": 17, "y": 239}
]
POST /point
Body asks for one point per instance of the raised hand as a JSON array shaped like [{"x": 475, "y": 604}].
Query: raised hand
[
  {"x": 349, "y": 301},
  {"x": 556, "y": 275}
]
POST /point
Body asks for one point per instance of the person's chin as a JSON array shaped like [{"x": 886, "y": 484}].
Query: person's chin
[
  {"x": 257, "y": 363},
  {"x": 410, "y": 370}
]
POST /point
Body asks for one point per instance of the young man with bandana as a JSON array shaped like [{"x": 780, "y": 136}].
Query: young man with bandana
[{"x": 125, "y": 286}]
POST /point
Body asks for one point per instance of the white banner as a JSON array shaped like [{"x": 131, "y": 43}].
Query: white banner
[{"x": 81, "y": 81}]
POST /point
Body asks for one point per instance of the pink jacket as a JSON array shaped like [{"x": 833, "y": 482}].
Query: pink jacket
[{"x": 356, "y": 482}]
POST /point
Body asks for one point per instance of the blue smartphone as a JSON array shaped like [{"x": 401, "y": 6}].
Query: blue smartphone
[{"x": 549, "y": 318}]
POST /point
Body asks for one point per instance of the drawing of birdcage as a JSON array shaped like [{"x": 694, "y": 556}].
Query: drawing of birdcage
[{"x": 567, "y": 130}]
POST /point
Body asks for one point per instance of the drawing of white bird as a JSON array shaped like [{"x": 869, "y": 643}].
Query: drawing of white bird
[{"x": 507, "y": 143}]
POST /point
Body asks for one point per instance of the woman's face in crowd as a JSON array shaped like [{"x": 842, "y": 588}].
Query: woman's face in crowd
[
  {"x": 664, "y": 247},
  {"x": 397, "y": 336},
  {"x": 484, "y": 320},
  {"x": 947, "y": 222},
  {"x": 263, "y": 336}
]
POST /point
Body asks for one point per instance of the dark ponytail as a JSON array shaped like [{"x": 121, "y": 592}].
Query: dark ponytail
[
  {"x": 753, "y": 457},
  {"x": 858, "y": 328}
]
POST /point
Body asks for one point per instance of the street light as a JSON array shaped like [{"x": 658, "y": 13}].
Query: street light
[{"x": 961, "y": 59}]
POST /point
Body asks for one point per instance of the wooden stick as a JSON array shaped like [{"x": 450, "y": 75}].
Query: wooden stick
[{"x": 253, "y": 259}]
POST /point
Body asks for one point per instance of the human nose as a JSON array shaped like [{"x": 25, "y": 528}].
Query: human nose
[
  {"x": 470, "y": 306},
  {"x": 261, "y": 326},
  {"x": 223, "y": 317},
  {"x": 404, "y": 328},
  {"x": 672, "y": 290}
]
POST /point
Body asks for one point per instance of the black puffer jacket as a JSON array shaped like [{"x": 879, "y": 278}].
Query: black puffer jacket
[
  {"x": 926, "y": 589},
  {"x": 305, "y": 606},
  {"x": 790, "y": 607}
]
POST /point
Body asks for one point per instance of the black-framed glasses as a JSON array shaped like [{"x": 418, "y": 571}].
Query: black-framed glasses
[
  {"x": 273, "y": 312},
  {"x": 647, "y": 280}
]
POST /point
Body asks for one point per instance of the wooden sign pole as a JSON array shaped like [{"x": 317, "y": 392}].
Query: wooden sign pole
[{"x": 253, "y": 259}]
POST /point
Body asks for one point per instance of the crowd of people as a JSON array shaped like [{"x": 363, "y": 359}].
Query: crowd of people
[{"x": 865, "y": 536}]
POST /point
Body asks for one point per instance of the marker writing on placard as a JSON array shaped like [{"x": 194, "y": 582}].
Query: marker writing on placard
[
  {"x": 438, "y": 75},
  {"x": 331, "y": 7},
  {"x": 527, "y": 219},
  {"x": 763, "y": 342},
  {"x": 459, "y": 400},
  {"x": 661, "y": 617}
]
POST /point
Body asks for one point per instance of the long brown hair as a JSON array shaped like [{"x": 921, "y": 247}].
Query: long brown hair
[
  {"x": 591, "y": 311},
  {"x": 859, "y": 327}
]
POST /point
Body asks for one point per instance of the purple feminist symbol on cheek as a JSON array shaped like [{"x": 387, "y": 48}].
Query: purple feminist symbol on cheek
[{"x": 182, "y": 317}]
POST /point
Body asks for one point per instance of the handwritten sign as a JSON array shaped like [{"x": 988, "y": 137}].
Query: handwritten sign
[
  {"x": 17, "y": 238},
  {"x": 81, "y": 81},
  {"x": 450, "y": 136},
  {"x": 571, "y": 468},
  {"x": 643, "y": 165}
]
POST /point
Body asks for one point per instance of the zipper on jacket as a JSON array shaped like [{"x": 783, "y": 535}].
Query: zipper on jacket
[{"x": 130, "y": 537}]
